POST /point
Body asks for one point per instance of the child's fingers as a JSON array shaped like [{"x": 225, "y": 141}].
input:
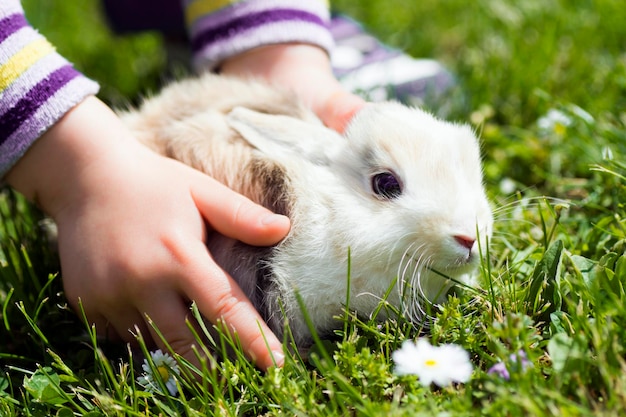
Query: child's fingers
[
  {"x": 166, "y": 315},
  {"x": 220, "y": 299},
  {"x": 236, "y": 216},
  {"x": 338, "y": 109}
]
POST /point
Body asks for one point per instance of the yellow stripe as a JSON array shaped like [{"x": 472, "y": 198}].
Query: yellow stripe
[
  {"x": 200, "y": 8},
  {"x": 23, "y": 60}
]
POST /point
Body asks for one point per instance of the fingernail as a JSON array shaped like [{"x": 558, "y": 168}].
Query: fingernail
[
  {"x": 273, "y": 219},
  {"x": 279, "y": 358}
]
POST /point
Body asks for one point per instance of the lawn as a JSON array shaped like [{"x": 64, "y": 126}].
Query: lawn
[{"x": 544, "y": 84}]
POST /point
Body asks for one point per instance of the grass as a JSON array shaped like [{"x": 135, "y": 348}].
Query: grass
[{"x": 553, "y": 285}]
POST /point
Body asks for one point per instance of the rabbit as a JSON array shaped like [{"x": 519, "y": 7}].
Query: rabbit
[{"x": 396, "y": 204}]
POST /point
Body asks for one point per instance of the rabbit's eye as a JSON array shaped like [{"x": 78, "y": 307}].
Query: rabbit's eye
[{"x": 386, "y": 185}]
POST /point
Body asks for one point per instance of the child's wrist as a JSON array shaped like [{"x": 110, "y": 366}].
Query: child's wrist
[
  {"x": 52, "y": 172},
  {"x": 272, "y": 61}
]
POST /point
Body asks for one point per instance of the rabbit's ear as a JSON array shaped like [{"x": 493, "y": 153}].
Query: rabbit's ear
[{"x": 283, "y": 136}]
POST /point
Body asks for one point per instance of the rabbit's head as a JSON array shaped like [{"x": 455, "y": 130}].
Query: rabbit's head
[{"x": 401, "y": 189}]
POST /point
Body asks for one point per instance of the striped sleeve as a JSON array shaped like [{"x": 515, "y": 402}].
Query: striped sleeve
[
  {"x": 37, "y": 85},
  {"x": 219, "y": 29}
]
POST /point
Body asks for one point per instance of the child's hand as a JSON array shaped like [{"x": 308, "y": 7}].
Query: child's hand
[
  {"x": 132, "y": 227},
  {"x": 306, "y": 70}
]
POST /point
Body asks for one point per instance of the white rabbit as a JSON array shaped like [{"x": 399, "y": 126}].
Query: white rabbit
[{"x": 399, "y": 197}]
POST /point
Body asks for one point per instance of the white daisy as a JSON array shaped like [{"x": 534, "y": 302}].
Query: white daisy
[
  {"x": 439, "y": 364},
  {"x": 166, "y": 368},
  {"x": 507, "y": 186},
  {"x": 554, "y": 121}
]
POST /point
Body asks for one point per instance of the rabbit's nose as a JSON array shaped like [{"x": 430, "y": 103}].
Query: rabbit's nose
[{"x": 465, "y": 241}]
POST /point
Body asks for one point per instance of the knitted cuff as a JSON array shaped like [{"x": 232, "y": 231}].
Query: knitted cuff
[
  {"x": 219, "y": 34},
  {"x": 37, "y": 85}
]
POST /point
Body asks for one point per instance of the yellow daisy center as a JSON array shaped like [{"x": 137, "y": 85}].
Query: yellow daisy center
[
  {"x": 164, "y": 372},
  {"x": 560, "y": 129},
  {"x": 430, "y": 362}
]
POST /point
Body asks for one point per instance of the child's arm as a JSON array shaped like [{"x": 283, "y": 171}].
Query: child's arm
[
  {"x": 131, "y": 223},
  {"x": 285, "y": 42}
]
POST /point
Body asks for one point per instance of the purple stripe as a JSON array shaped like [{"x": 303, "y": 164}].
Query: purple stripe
[
  {"x": 249, "y": 7},
  {"x": 11, "y": 24},
  {"x": 34, "y": 99},
  {"x": 29, "y": 79},
  {"x": 238, "y": 25}
]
